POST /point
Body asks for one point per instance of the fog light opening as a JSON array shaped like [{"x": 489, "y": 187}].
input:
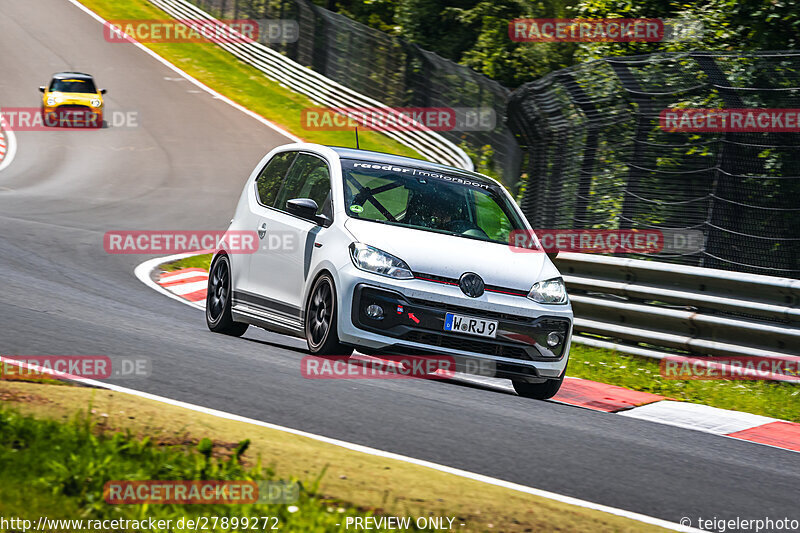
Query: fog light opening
[
  {"x": 553, "y": 339},
  {"x": 374, "y": 311}
]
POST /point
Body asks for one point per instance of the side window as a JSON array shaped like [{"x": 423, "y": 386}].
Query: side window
[
  {"x": 489, "y": 216},
  {"x": 382, "y": 197},
  {"x": 269, "y": 181},
  {"x": 309, "y": 177}
]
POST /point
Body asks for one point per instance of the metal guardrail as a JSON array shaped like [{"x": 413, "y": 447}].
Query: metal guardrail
[
  {"x": 321, "y": 90},
  {"x": 655, "y": 310}
]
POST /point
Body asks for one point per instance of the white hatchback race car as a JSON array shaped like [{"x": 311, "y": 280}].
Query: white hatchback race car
[{"x": 392, "y": 255}]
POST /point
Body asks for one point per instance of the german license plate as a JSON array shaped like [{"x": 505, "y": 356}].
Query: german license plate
[{"x": 470, "y": 325}]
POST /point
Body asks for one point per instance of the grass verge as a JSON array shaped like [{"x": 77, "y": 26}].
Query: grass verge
[
  {"x": 58, "y": 469},
  {"x": 778, "y": 400},
  {"x": 195, "y": 261},
  {"x": 240, "y": 82},
  {"x": 150, "y": 445}
]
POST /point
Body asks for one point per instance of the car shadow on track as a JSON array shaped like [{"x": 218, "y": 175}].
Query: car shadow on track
[
  {"x": 276, "y": 344},
  {"x": 458, "y": 380}
]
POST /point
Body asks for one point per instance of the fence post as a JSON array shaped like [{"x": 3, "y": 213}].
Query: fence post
[{"x": 719, "y": 211}]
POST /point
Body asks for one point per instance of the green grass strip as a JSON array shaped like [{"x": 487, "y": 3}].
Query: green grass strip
[{"x": 58, "y": 470}]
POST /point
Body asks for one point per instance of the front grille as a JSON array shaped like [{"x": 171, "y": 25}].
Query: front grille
[
  {"x": 81, "y": 108},
  {"x": 469, "y": 311},
  {"x": 466, "y": 345},
  {"x": 438, "y": 279},
  {"x": 453, "y": 281}
]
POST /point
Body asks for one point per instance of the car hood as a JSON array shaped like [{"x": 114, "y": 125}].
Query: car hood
[
  {"x": 450, "y": 256},
  {"x": 74, "y": 98}
]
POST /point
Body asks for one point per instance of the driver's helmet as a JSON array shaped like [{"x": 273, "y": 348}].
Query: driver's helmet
[{"x": 434, "y": 208}]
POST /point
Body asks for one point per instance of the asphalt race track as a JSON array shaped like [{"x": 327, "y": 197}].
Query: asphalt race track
[{"x": 183, "y": 168}]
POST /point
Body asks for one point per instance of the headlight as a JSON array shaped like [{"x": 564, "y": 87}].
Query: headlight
[
  {"x": 377, "y": 261},
  {"x": 551, "y": 291},
  {"x": 96, "y": 102},
  {"x": 51, "y": 100}
]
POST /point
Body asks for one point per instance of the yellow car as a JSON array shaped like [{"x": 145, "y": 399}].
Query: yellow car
[{"x": 72, "y": 99}]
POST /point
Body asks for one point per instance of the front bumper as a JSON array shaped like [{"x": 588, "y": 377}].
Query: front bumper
[
  {"x": 72, "y": 116},
  {"x": 519, "y": 350}
]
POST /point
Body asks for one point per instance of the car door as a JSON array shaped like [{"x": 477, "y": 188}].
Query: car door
[
  {"x": 279, "y": 268},
  {"x": 260, "y": 201}
]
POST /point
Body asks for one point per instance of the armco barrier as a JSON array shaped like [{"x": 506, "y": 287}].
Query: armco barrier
[
  {"x": 655, "y": 309},
  {"x": 318, "y": 88}
]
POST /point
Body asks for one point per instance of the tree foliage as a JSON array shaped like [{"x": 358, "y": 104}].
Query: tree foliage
[
  {"x": 475, "y": 32},
  {"x": 728, "y": 25}
]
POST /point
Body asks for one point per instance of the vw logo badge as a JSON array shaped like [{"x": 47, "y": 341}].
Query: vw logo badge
[{"x": 471, "y": 284}]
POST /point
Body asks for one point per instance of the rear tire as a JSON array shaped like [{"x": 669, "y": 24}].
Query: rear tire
[
  {"x": 218, "y": 300},
  {"x": 321, "y": 319}
]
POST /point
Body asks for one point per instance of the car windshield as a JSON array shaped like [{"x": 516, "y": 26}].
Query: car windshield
[
  {"x": 428, "y": 200},
  {"x": 73, "y": 86}
]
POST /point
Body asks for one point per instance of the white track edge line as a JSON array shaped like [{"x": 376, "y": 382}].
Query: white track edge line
[
  {"x": 364, "y": 449},
  {"x": 11, "y": 148},
  {"x": 196, "y": 82}
]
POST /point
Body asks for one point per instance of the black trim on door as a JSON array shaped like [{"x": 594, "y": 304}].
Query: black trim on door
[{"x": 267, "y": 304}]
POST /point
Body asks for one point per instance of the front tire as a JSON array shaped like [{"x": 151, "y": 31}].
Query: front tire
[
  {"x": 218, "y": 300},
  {"x": 540, "y": 391},
  {"x": 321, "y": 319}
]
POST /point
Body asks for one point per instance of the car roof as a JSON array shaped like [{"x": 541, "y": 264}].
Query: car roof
[
  {"x": 76, "y": 75},
  {"x": 391, "y": 159}
]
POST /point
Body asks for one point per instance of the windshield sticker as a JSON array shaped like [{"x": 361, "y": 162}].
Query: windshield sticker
[
  {"x": 356, "y": 208},
  {"x": 422, "y": 174}
]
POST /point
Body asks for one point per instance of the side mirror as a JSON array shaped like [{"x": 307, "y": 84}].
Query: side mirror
[
  {"x": 42, "y": 88},
  {"x": 103, "y": 91},
  {"x": 306, "y": 208}
]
